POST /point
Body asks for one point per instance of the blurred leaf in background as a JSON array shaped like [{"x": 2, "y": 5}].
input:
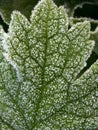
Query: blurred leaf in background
[
  {"x": 71, "y": 5},
  {"x": 24, "y": 6},
  {"x": 94, "y": 36}
]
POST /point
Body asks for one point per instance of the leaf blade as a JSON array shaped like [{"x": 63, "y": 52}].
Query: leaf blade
[{"x": 46, "y": 79}]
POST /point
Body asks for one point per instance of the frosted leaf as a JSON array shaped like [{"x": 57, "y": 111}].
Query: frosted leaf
[{"x": 40, "y": 61}]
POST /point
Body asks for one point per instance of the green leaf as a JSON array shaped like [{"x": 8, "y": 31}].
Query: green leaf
[{"x": 39, "y": 67}]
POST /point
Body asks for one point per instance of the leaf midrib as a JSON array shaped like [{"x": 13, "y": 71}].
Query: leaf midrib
[{"x": 43, "y": 70}]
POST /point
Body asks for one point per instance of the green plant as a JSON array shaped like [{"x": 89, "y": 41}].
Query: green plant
[{"x": 40, "y": 63}]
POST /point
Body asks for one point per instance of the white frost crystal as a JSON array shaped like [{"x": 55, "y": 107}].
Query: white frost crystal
[{"x": 40, "y": 61}]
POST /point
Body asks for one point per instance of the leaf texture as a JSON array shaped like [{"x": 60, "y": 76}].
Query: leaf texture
[{"x": 40, "y": 63}]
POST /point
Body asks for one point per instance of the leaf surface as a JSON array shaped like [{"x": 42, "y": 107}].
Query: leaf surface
[{"x": 39, "y": 68}]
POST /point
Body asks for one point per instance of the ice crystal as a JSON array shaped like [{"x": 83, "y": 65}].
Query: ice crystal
[{"x": 40, "y": 63}]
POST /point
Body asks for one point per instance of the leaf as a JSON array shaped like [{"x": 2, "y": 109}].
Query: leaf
[
  {"x": 94, "y": 34},
  {"x": 40, "y": 64}
]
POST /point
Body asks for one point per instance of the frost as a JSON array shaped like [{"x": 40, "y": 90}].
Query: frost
[{"x": 40, "y": 61}]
